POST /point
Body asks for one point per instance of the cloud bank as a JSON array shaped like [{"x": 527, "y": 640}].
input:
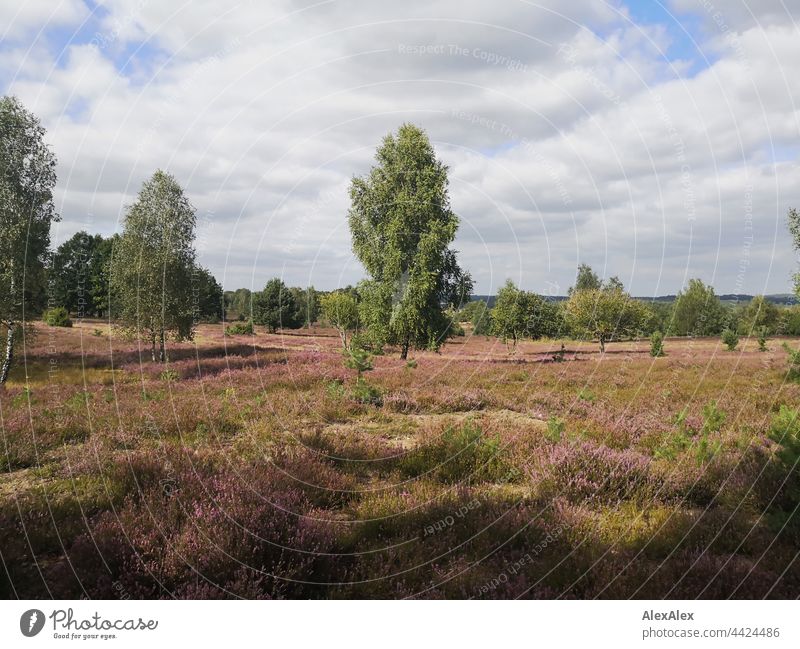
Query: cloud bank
[{"x": 653, "y": 145}]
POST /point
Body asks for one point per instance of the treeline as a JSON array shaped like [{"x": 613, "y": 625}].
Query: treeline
[
  {"x": 603, "y": 310},
  {"x": 79, "y": 280}
]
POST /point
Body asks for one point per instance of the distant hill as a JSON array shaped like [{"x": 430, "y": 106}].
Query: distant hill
[{"x": 775, "y": 298}]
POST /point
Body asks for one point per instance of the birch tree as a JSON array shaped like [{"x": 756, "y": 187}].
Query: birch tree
[
  {"x": 153, "y": 263},
  {"x": 27, "y": 179},
  {"x": 402, "y": 226}
]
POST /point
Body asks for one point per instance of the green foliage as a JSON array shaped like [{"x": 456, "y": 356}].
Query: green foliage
[
  {"x": 793, "y": 221},
  {"x": 730, "y": 338},
  {"x": 606, "y": 314},
  {"x": 240, "y": 329},
  {"x": 153, "y": 264},
  {"x": 656, "y": 344},
  {"x": 79, "y": 275},
  {"x": 27, "y": 180},
  {"x": 357, "y": 358},
  {"x": 762, "y": 339},
  {"x": 793, "y": 358},
  {"x": 455, "y": 330},
  {"x": 78, "y": 400},
  {"x": 169, "y": 376},
  {"x": 57, "y": 317},
  {"x": 70, "y": 271},
  {"x": 275, "y": 307},
  {"x": 698, "y": 311},
  {"x": 481, "y": 318},
  {"x": 660, "y": 317},
  {"x": 785, "y": 432},
  {"x": 713, "y": 418},
  {"x": 307, "y": 301},
  {"x": 703, "y": 442},
  {"x": 363, "y": 392},
  {"x": 209, "y": 301},
  {"x": 401, "y": 225},
  {"x": 509, "y": 318},
  {"x": 759, "y": 314},
  {"x": 519, "y": 314},
  {"x": 555, "y": 429},
  {"x": 586, "y": 280},
  {"x": 340, "y": 310},
  {"x": 238, "y": 304},
  {"x": 706, "y": 446},
  {"x": 789, "y": 324},
  {"x": 460, "y": 453}
]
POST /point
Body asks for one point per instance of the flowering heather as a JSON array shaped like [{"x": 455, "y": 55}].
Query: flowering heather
[{"x": 248, "y": 466}]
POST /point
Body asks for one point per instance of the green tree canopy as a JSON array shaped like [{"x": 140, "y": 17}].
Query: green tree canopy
[
  {"x": 153, "y": 264},
  {"x": 509, "y": 318},
  {"x": 207, "y": 295},
  {"x": 27, "y": 179},
  {"x": 521, "y": 314},
  {"x": 238, "y": 304},
  {"x": 760, "y": 314},
  {"x": 698, "y": 311},
  {"x": 606, "y": 314},
  {"x": 100, "y": 270},
  {"x": 275, "y": 307},
  {"x": 586, "y": 279},
  {"x": 72, "y": 272},
  {"x": 340, "y": 309},
  {"x": 402, "y": 225},
  {"x": 308, "y": 305},
  {"x": 793, "y": 221},
  {"x": 481, "y": 318}
]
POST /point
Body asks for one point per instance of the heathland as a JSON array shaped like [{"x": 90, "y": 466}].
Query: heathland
[{"x": 262, "y": 466}]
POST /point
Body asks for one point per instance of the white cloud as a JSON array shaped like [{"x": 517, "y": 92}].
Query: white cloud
[{"x": 570, "y": 137}]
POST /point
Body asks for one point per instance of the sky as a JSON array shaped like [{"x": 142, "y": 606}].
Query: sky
[{"x": 655, "y": 141}]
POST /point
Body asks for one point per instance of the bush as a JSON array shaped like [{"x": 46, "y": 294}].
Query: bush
[
  {"x": 459, "y": 453},
  {"x": 785, "y": 432},
  {"x": 240, "y": 329},
  {"x": 555, "y": 429},
  {"x": 706, "y": 448},
  {"x": 762, "y": 339},
  {"x": 365, "y": 393},
  {"x": 169, "y": 376},
  {"x": 793, "y": 373},
  {"x": 57, "y": 317},
  {"x": 730, "y": 338},
  {"x": 584, "y": 471},
  {"x": 657, "y": 344}
]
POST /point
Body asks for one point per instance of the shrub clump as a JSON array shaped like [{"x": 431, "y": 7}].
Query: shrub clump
[
  {"x": 657, "y": 344},
  {"x": 793, "y": 373},
  {"x": 585, "y": 471},
  {"x": 730, "y": 338},
  {"x": 57, "y": 317},
  {"x": 245, "y": 541},
  {"x": 240, "y": 329},
  {"x": 459, "y": 453},
  {"x": 762, "y": 339},
  {"x": 785, "y": 432}
]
